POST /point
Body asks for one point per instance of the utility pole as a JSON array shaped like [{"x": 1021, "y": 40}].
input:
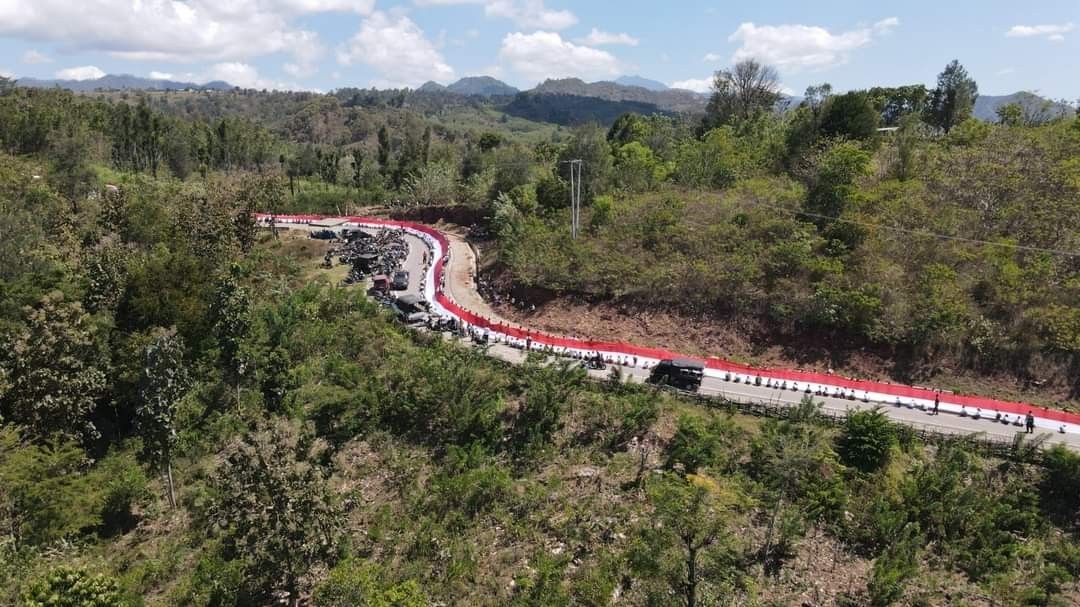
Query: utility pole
[{"x": 575, "y": 196}]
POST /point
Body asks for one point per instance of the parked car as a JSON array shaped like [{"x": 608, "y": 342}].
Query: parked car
[
  {"x": 400, "y": 281},
  {"x": 411, "y": 309},
  {"x": 678, "y": 373},
  {"x": 380, "y": 283}
]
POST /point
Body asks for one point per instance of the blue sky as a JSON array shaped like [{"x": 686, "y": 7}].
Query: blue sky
[{"x": 326, "y": 44}]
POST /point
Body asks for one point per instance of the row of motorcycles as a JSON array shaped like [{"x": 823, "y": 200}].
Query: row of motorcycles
[{"x": 383, "y": 252}]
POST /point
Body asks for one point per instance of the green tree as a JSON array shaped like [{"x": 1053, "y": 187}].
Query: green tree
[
  {"x": 549, "y": 391},
  {"x": 431, "y": 184},
  {"x": 54, "y": 367},
  {"x": 866, "y": 440},
  {"x": 274, "y": 503},
  {"x": 490, "y": 141},
  {"x": 67, "y": 587},
  {"x": 741, "y": 94},
  {"x": 895, "y": 103},
  {"x": 163, "y": 383},
  {"x": 796, "y": 465},
  {"x": 894, "y": 567},
  {"x": 552, "y": 193},
  {"x": 954, "y": 98},
  {"x": 627, "y": 128},
  {"x": 695, "y": 444},
  {"x": 231, "y": 317},
  {"x": 46, "y": 493},
  {"x": 637, "y": 168},
  {"x": 687, "y": 545},
  {"x": 1060, "y": 483},
  {"x": 908, "y": 139},
  {"x": 834, "y": 189},
  {"x": 383, "y": 156},
  {"x": 851, "y": 116},
  {"x": 588, "y": 144},
  {"x": 1010, "y": 114},
  {"x": 72, "y": 174}
]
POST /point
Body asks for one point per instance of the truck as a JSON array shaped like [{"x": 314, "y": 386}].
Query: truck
[{"x": 679, "y": 373}]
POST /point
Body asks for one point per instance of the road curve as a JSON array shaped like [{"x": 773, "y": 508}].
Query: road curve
[{"x": 449, "y": 285}]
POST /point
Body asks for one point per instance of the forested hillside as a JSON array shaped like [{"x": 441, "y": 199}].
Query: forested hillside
[{"x": 193, "y": 413}]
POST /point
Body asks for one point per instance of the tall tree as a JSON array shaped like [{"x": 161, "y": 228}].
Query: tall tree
[
  {"x": 686, "y": 543},
  {"x": 231, "y": 313},
  {"x": 276, "y": 507},
  {"x": 72, "y": 174},
  {"x": 893, "y": 103},
  {"x": 850, "y": 115},
  {"x": 741, "y": 93},
  {"x": 45, "y": 491},
  {"x": 54, "y": 369},
  {"x": 163, "y": 383},
  {"x": 954, "y": 98},
  {"x": 383, "y": 156}
]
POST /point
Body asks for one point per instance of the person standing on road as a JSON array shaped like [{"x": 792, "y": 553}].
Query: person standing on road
[
  {"x": 1030, "y": 423},
  {"x": 937, "y": 402}
]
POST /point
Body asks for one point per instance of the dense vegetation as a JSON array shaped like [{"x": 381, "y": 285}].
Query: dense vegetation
[
  {"x": 945, "y": 243},
  {"x": 191, "y": 414}
]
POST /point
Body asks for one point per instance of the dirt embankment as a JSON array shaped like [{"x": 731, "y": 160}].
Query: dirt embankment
[{"x": 745, "y": 341}]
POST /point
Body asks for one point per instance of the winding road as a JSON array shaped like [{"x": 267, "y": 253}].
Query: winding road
[{"x": 450, "y": 287}]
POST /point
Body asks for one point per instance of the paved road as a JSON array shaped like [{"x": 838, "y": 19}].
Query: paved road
[{"x": 461, "y": 288}]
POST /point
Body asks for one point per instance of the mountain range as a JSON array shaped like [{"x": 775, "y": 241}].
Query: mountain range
[
  {"x": 123, "y": 82},
  {"x": 564, "y": 100},
  {"x": 986, "y": 106}
]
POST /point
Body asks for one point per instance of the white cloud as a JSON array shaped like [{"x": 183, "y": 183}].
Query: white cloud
[
  {"x": 6, "y": 74},
  {"x": 698, "y": 85},
  {"x": 33, "y": 57},
  {"x": 398, "y": 49},
  {"x": 795, "y": 47},
  {"x": 85, "y": 72},
  {"x": 1005, "y": 71},
  {"x": 886, "y": 25},
  {"x": 362, "y": 7},
  {"x": 599, "y": 38},
  {"x": 525, "y": 13},
  {"x": 161, "y": 76},
  {"x": 543, "y": 55},
  {"x": 293, "y": 70},
  {"x": 530, "y": 13},
  {"x": 712, "y": 57},
  {"x": 245, "y": 76},
  {"x": 1050, "y": 32},
  {"x": 171, "y": 30}
]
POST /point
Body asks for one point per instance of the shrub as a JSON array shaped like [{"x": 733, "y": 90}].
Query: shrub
[
  {"x": 354, "y": 583},
  {"x": 866, "y": 441},
  {"x": 67, "y": 587}
]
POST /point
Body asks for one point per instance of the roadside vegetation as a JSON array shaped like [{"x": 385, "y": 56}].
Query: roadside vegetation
[{"x": 190, "y": 414}]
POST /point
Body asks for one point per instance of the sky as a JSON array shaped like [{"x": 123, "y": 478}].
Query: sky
[{"x": 322, "y": 45}]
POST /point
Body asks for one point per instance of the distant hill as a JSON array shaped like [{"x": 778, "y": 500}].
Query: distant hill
[
  {"x": 670, "y": 100},
  {"x": 431, "y": 87},
  {"x": 644, "y": 83},
  {"x": 484, "y": 86},
  {"x": 986, "y": 106},
  {"x": 570, "y": 110},
  {"x": 122, "y": 82}
]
